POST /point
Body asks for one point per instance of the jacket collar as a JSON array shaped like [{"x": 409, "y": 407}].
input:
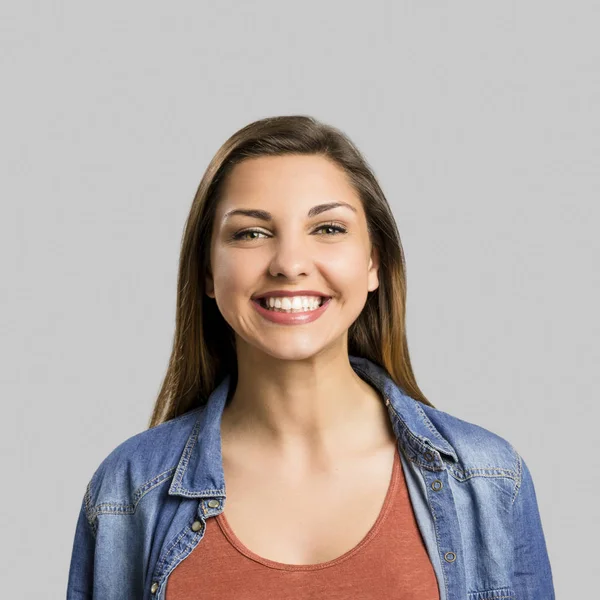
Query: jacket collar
[{"x": 199, "y": 472}]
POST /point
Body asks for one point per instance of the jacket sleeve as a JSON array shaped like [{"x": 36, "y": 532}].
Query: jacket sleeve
[
  {"x": 81, "y": 571},
  {"x": 532, "y": 571}
]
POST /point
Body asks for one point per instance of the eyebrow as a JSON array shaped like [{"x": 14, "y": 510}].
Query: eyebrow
[{"x": 267, "y": 216}]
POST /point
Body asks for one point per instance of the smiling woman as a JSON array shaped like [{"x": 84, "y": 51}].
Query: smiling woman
[
  {"x": 326, "y": 245},
  {"x": 290, "y": 452}
]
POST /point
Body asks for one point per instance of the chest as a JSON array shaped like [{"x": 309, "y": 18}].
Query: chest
[{"x": 308, "y": 520}]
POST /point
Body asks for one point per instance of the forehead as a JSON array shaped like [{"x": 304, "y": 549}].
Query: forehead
[{"x": 283, "y": 179}]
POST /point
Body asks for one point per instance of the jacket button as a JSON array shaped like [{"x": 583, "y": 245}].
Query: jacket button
[
  {"x": 154, "y": 588},
  {"x": 428, "y": 456},
  {"x": 450, "y": 556},
  {"x": 437, "y": 485},
  {"x": 213, "y": 503},
  {"x": 196, "y": 526}
]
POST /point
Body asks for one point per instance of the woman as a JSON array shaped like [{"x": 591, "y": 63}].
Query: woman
[{"x": 291, "y": 453}]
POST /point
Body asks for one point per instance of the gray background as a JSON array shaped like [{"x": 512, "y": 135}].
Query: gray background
[{"x": 481, "y": 121}]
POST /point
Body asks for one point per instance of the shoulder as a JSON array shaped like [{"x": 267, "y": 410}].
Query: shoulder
[
  {"x": 139, "y": 464},
  {"x": 480, "y": 451}
]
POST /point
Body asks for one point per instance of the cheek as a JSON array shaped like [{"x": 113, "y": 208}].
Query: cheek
[
  {"x": 348, "y": 270},
  {"x": 236, "y": 274}
]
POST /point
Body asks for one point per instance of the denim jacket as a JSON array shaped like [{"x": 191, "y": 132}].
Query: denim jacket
[{"x": 145, "y": 507}]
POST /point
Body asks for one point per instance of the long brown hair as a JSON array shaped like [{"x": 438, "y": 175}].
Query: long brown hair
[{"x": 203, "y": 346}]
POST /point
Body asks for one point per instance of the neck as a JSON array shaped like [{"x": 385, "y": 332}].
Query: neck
[{"x": 310, "y": 410}]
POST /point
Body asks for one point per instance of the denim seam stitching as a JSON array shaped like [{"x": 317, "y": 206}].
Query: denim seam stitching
[
  {"x": 151, "y": 484},
  {"x": 491, "y": 472},
  {"x": 159, "y": 566},
  {"x": 408, "y": 433},
  {"x": 406, "y": 428},
  {"x": 429, "y": 424},
  {"x": 476, "y": 595},
  {"x": 519, "y": 478},
  {"x": 187, "y": 451},
  {"x": 105, "y": 508},
  {"x": 437, "y": 535},
  {"x": 188, "y": 546},
  {"x": 503, "y": 590}
]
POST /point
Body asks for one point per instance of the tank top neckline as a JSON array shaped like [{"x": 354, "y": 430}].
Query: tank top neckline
[{"x": 238, "y": 545}]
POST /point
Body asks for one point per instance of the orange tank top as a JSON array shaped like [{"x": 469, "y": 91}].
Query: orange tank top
[{"x": 391, "y": 561}]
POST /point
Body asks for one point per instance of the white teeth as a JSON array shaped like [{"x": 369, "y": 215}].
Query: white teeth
[{"x": 293, "y": 304}]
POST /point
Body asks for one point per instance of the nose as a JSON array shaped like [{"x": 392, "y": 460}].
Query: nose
[{"x": 291, "y": 258}]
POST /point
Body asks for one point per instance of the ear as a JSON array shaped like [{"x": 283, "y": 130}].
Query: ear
[
  {"x": 374, "y": 269},
  {"x": 209, "y": 285}
]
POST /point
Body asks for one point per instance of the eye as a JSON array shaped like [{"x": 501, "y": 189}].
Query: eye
[
  {"x": 240, "y": 234},
  {"x": 339, "y": 229}
]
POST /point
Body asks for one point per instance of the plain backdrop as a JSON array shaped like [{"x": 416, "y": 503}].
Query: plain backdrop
[{"x": 481, "y": 121}]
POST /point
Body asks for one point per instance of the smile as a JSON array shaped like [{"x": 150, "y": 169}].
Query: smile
[
  {"x": 308, "y": 311},
  {"x": 293, "y": 304}
]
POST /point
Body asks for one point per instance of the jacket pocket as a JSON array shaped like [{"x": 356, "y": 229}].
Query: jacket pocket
[{"x": 497, "y": 594}]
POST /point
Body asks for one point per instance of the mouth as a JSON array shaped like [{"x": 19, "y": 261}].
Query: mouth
[{"x": 263, "y": 302}]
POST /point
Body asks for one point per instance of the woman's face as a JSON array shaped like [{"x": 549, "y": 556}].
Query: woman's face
[{"x": 288, "y": 248}]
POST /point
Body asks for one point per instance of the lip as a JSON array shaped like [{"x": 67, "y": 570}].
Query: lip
[
  {"x": 299, "y": 318},
  {"x": 289, "y": 293}
]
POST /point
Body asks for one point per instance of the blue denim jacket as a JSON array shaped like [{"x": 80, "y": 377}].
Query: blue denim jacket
[{"x": 146, "y": 505}]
